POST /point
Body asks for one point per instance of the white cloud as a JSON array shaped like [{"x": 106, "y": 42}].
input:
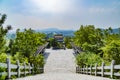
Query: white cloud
[
  {"x": 101, "y": 10},
  {"x": 53, "y": 6},
  {"x": 64, "y": 14},
  {"x": 28, "y": 21}
]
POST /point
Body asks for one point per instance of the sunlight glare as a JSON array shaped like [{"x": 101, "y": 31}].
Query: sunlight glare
[{"x": 52, "y": 6}]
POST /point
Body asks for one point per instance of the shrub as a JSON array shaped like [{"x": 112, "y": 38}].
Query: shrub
[
  {"x": 112, "y": 51},
  {"x": 3, "y": 57},
  {"x": 88, "y": 58},
  {"x": 20, "y": 57},
  {"x": 38, "y": 62}
]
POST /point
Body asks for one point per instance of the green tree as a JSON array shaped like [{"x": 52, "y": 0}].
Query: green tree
[
  {"x": 27, "y": 42},
  {"x": 111, "y": 49},
  {"x": 102, "y": 42},
  {"x": 89, "y": 38},
  {"x": 67, "y": 41},
  {"x": 3, "y": 32},
  {"x": 87, "y": 58}
]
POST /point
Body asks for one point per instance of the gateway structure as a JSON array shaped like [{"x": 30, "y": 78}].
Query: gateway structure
[{"x": 59, "y": 39}]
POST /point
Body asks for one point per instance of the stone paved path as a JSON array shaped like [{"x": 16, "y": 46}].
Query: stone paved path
[
  {"x": 60, "y": 61},
  {"x": 60, "y": 65}
]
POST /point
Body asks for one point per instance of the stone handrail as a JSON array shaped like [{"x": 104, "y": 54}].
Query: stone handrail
[
  {"x": 41, "y": 49},
  {"x": 76, "y": 49},
  {"x": 100, "y": 70},
  {"x": 17, "y": 69}
]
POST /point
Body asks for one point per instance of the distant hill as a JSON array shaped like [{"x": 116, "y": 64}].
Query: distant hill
[
  {"x": 116, "y": 30},
  {"x": 10, "y": 36},
  {"x": 52, "y": 31},
  {"x": 49, "y": 32}
]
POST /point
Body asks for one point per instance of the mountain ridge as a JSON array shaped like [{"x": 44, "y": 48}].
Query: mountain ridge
[{"x": 54, "y": 29}]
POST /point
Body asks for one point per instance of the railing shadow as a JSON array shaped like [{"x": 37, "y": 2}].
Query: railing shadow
[
  {"x": 46, "y": 55},
  {"x": 74, "y": 54},
  {"x": 58, "y": 48}
]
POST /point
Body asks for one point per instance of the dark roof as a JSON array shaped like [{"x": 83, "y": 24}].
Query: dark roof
[{"x": 59, "y": 37}]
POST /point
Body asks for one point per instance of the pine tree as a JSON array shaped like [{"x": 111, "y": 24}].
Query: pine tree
[{"x": 3, "y": 31}]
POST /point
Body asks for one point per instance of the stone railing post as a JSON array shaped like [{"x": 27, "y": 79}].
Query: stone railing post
[
  {"x": 112, "y": 68},
  {"x": 18, "y": 68},
  {"x": 86, "y": 69},
  {"x": 24, "y": 69},
  {"x": 102, "y": 69},
  {"x": 96, "y": 69},
  {"x": 90, "y": 69},
  {"x": 32, "y": 68},
  {"x": 29, "y": 68},
  {"x": 79, "y": 68},
  {"x": 8, "y": 68}
]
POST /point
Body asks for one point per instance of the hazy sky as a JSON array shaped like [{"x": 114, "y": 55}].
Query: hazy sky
[{"x": 62, "y": 14}]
